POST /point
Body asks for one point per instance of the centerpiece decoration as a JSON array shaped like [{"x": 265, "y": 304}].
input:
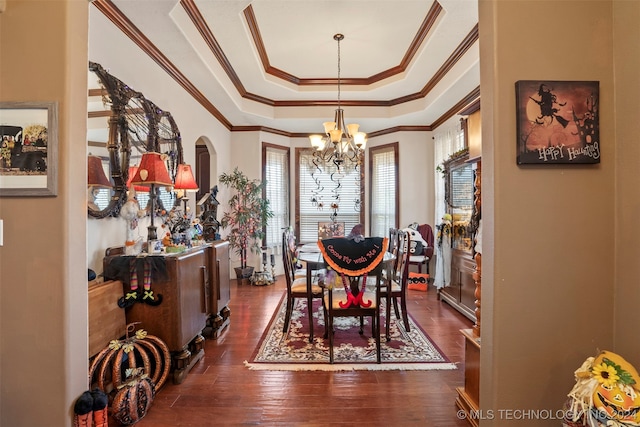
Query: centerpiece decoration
[
  {"x": 176, "y": 224},
  {"x": 246, "y": 217}
]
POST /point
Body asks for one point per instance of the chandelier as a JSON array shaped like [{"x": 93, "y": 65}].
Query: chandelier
[{"x": 341, "y": 147}]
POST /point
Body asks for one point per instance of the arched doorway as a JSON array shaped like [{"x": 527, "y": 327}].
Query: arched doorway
[{"x": 206, "y": 166}]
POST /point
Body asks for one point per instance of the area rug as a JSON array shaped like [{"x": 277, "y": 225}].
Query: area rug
[{"x": 292, "y": 351}]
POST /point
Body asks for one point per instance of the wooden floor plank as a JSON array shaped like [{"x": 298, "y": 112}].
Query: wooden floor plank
[{"x": 220, "y": 390}]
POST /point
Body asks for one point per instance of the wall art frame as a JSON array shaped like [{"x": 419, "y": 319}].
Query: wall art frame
[
  {"x": 557, "y": 122},
  {"x": 28, "y": 149},
  {"x": 330, "y": 229}
]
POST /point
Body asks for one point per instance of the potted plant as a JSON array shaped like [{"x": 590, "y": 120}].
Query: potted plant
[{"x": 246, "y": 217}]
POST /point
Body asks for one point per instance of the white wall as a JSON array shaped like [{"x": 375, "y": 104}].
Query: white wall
[
  {"x": 416, "y": 175},
  {"x": 123, "y": 59}
]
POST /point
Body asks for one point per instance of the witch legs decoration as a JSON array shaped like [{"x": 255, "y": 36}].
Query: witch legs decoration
[
  {"x": 357, "y": 300},
  {"x": 90, "y": 409},
  {"x": 135, "y": 295}
]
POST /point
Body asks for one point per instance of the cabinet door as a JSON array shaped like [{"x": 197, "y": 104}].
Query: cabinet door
[
  {"x": 221, "y": 281},
  {"x": 192, "y": 283},
  {"x": 461, "y": 293},
  {"x": 468, "y": 286}
]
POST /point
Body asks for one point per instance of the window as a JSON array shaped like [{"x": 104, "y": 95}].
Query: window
[
  {"x": 166, "y": 199},
  {"x": 317, "y": 191},
  {"x": 276, "y": 175},
  {"x": 102, "y": 195},
  {"x": 383, "y": 165}
]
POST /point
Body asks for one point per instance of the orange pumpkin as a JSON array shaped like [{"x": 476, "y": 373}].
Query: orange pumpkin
[{"x": 617, "y": 395}]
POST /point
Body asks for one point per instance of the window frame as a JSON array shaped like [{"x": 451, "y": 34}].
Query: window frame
[
  {"x": 299, "y": 151},
  {"x": 266, "y": 146}
]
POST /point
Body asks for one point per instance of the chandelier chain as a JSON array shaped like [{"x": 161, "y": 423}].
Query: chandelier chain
[{"x": 339, "y": 38}]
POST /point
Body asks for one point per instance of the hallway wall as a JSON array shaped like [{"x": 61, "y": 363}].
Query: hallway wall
[
  {"x": 550, "y": 289},
  {"x": 43, "y": 282}
]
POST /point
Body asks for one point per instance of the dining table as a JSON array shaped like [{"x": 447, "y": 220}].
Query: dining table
[{"x": 310, "y": 254}]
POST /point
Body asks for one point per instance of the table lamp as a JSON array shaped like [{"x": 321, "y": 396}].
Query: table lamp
[
  {"x": 151, "y": 172},
  {"x": 185, "y": 182},
  {"x": 96, "y": 179},
  {"x": 139, "y": 188}
]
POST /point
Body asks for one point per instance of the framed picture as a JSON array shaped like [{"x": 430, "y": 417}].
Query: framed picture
[
  {"x": 557, "y": 122},
  {"x": 29, "y": 148},
  {"x": 328, "y": 230}
]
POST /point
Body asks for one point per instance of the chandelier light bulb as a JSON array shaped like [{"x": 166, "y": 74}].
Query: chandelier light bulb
[
  {"x": 360, "y": 139},
  {"x": 328, "y": 127},
  {"x": 336, "y": 135},
  {"x": 316, "y": 141}
]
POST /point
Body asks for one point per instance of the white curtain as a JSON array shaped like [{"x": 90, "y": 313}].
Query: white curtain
[
  {"x": 447, "y": 142},
  {"x": 277, "y": 188}
]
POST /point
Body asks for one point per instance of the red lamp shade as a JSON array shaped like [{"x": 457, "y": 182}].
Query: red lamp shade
[
  {"x": 185, "y": 179},
  {"x": 138, "y": 188},
  {"x": 152, "y": 170},
  {"x": 95, "y": 173}
]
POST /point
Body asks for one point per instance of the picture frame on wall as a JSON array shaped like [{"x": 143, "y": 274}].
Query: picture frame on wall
[
  {"x": 28, "y": 149},
  {"x": 557, "y": 122},
  {"x": 329, "y": 230}
]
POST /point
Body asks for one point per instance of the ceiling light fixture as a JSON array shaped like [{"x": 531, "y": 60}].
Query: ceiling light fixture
[{"x": 341, "y": 145}]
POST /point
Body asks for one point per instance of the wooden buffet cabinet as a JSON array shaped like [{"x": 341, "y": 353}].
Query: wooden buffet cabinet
[
  {"x": 191, "y": 292},
  {"x": 459, "y": 196},
  {"x": 463, "y": 194}
]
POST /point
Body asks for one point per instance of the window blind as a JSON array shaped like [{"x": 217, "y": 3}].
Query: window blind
[
  {"x": 166, "y": 197},
  {"x": 384, "y": 184},
  {"x": 318, "y": 190}
]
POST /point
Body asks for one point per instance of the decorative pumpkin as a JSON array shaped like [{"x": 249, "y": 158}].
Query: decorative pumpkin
[
  {"x": 607, "y": 392},
  {"x": 618, "y": 392},
  {"x": 146, "y": 362},
  {"x": 141, "y": 349},
  {"x": 133, "y": 399}
]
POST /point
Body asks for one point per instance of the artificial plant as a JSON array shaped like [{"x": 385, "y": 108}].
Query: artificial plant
[{"x": 247, "y": 214}]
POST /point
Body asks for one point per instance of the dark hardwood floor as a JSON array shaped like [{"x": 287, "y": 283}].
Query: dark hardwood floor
[{"x": 220, "y": 390}]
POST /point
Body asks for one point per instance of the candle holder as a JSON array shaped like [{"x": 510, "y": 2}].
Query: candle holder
[{"x": 264, "y": 277}]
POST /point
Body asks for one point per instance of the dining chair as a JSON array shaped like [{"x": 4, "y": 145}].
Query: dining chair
[
  {"x": 297, "y": 286},
  {"x": 422, "y": 258},
  {"x": 394, "y": 285},
  {"x": 347, "y": 292},
  {"x": 393, "y": 239}
]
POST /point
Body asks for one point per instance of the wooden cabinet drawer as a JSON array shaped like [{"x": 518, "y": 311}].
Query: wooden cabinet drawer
[{"x": 106, "y": 320}]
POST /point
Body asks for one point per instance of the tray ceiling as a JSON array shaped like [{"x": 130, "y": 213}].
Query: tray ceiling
[{"x": 273, "y": 64}]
